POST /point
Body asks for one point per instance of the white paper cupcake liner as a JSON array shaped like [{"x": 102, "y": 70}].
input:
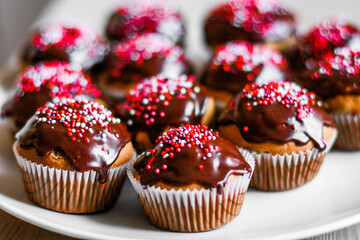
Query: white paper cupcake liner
[
  {"x": 288, "y": 171},
  {"x": 193, "y": 210},
  {"x": 348, "y": 126},
  {"x": 70, "y": 191}
]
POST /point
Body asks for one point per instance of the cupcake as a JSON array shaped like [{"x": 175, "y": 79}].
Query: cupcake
[
  {"x": 44, "y": 82},
  {"x": 236, "y": 64},
  {"x": 143, "y": 56},
  {"x": 322, "y": 38},
  {"x": 336, "y": 79},
  {"x": 73, "y": 156},
  {"x": 257, "y": 21},
  {"x": 134, "y": 18},
  {"x": 192, "y": 180},
  {"x": 72, "y": 43},
  {"x": 284, "y": 128},
  {"x": 158, "y": 103}
]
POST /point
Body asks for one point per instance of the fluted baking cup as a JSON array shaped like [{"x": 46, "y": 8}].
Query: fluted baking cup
[
  {"x": 288, "y": 171},
  {"x": 348, "y": 126},
  {"x": 193, "y": 210},
  {"x": 70, "y": 191}
]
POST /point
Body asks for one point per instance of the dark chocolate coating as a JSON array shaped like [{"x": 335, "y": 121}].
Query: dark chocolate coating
[
  {"x": 180, "y": 111},
  {"x": 33, "y": 93},
  {"x": 331, "y": 86},
  {"x": 183, "y": 169},
  {"x": 273, "y": 123},
  {"x": 21, "y": 107},
  {"x": 117, "y": 29},
  {"x": 131, "y": 72},
  {"x": 219, "y": 29},
  {"x": 134, "y": 73},
  {"x": 234, "y": 81},
  {"x": 83, "y": 156},
  {"x": 80, "y": 54}
]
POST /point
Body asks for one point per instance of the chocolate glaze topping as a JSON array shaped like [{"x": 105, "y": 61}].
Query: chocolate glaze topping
[
  {"x": 144, "y": 56},
  {"x": 71, "y": 43},
  {"x": 44, "y": 82},
  {"x": 84, "y": 132},
  {"x": 158, "y": 102},
  {"x": 278, "y": 112},
  {"x": 338, "y": 73},
  {"x": 191, "y": 154},
  {"x": 141, "y": 17},
  {"x": 236, "y": 64},
  {"x": 249, "y": 20}
]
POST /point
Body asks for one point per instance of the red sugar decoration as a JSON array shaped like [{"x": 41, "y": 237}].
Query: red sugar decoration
[
  {"x": 78, "y": 116},
  {"x": 146, "y": 46},
  {"x": 188, "y": 136},
  {"x": 256, "y": 16},
  {"x": 68, "y": 38},
  {"x": 143, "y": 17},
  {"x": 286, "y": 93},
  {"x": 143, "y": 99},
  {"x": 247, "y": 57},
  {"x": 328, "y": 34},
  {"x": 62, "y": 80},
  {"x": 343, "y": 60}
]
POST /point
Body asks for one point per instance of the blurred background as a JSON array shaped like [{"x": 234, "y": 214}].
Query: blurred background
[{"x": 15, "y": 18}]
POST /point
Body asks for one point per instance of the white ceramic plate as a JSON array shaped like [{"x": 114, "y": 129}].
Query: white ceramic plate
[{"x": 331, "y": 201}]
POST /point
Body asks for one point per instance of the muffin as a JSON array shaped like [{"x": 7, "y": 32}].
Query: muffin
[
  {"x": 322, "y": 38},
  {"x": 73, "y": 43},
  {"x": 73, "y": 156},
  {"x": 284, "y": 128},
  {"x": 134, "y": 18},
  {"x": 158, "y": 103},
  {"x": 192, "y": 180},
  {"x": 143, "y": 56},
  {"x": 237, "y": 63},
  {"x": 336, "y": 79},
  {"x": 44, "y": 82},
  {"x": 257, "y": 21}
]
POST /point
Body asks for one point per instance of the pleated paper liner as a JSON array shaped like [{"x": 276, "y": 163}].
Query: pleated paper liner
[
  {"x": 193, "y": 210},
  {"x": 70, "y": 191},
  {"x": 288, "y": 171},
  {"x": 348, "y": 126}
]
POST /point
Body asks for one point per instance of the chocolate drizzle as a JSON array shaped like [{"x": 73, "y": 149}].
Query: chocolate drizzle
[
  {"x": 191, "y": 154},
  {"x": 82, "y": 131},
  {"x": 249, "y": 20},
  {"x": 158, "y": 102},
  {"x": 278, "y": 112}
]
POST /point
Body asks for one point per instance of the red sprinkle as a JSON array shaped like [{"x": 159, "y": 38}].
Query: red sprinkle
[{"x": 286, "y": 93}]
